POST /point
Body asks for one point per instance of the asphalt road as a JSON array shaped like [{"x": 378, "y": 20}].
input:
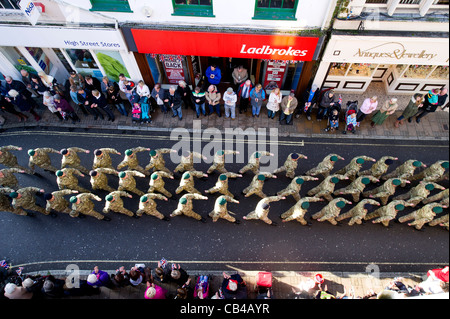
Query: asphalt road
[{"x": 52, "y": 243}]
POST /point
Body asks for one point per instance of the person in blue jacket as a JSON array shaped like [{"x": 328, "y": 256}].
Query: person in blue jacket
[{"x": 213, "y": 74}]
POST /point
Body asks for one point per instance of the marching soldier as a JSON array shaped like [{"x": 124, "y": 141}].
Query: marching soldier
[
  {"x": 222, "y": 184},
  {"x": 8, "y": 179},
  {"x": 99, "y": 179},
  {"x": 82, "y": 203},
  {"x": 5, "y": 205},
  {"x": 187, "y": 182},
  {"x": 352, "y": 169},
  {"x": 57, "y": 202},
  {"x": 443, "y": 197},
  {"x": 326, "y": 188},
  {"x": 380, "y": 167},
  {"x": 185, "y": 207},
  {"x": 221, "y": 210},
  {"x": 132, "y": 161},
  {"x": 419, "y": 193},
  {"x": 128, "y": 183},
  {"x": 39, "y": 157},
  {"x": 298, "y": 211},
  {"x": 331, "y": 211},
  {"x": 295, "y": 187},
  {"x": 423, "y": 215},
  {"x": 24, "y": 198},
  {"x": 102, "y": 159},
  {"x": 387, "y": 189},
  {"x": 219, "y": 161},
  {"x": 326, "y": 166},
  {"x": 10, "y": 160},
  {"x": 434, "y": 173},
  {"x": 359, "y": 212},
  {"x": 290, "y": 165},
  {"x": 405, "y": 171},
  {"x": 115, "y": 203},
  {"x": 387, "y": 213},
  {"x": 157, "y": 162},
  {"x": 262, "y": 210},
  {"x": 187, "y": 162},
  {"x": 257, "y": 185},
  {"x": 254, "y": 162},
  {"x": 70, "y": 158},
  {"x": 66, "y": 180},
  {"x": 357, "y": 187},
  {"x": 157, "y": 183},
  {"x": 147, "y": 205},
  {"x": 441, "y": 221}
]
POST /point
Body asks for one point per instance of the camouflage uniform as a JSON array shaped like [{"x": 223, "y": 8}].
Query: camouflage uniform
[
  {"x": 405, "y": 171},
  {"x": 326, "y": 188},
  {"x": 254, "y": 162},
  {"x": 419, "y": 193},
  {"x": 132, "y": 161},
  {"x": 331, "y": 211},
  {"x": 262, "y": 210},
  {"x": 352, "y": 169},
  {"x": 147, "y": 205},
  {"x": 443, "y": 197},
  {"x": 157, "y": 183},
  {"x": 357, "y": 187},
  {"x": 157, "y": 162},
  {"x": 434, "y": 173},
  {"x": 326, "y": 166},
  {"x": 39, "y": 157},
  {"x": 384, "y": 191},
  {"x": 379, "y": 168},
  {"x": 219, "y": 161},
  {"x": 358, "y": 213},
  {"x": 5, "y": 205},
  {"x": 68, "y": 181},
  {"x": 221, "y": 210},
  {"x": 187, "y": 182},
  {"x": 24, "y": 199},
  {"x": 115, "y": 203},
  {"x": 222, "y": 184},
  {"x": 442, "y": 221},
  {"x": 99, "y": 179},
  {"x": 185, "y": 206},
  {"x": 128, "y": 183},
  {"x": 102, "y": 159},
  {"x": 7, "y": 178},
  {"x": 423, "y": 215},
  {"x": 71, "y": 159},
  {"x": 387, "y": 213},
  {"x": 58, "y": 203},
  {"x": 257, "y": 185},
  {"x": 298, "y": 211},
  {"x": 86, "y": 206},
  {"x": 187, "y": 162},
  {"x": 290, "y": 165},
  {"x": 10, "y": 160},
  {"x": 295, "y": 187}
]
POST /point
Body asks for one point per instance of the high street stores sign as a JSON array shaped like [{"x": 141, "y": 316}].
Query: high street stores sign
[{"x": 251, "y": 46}]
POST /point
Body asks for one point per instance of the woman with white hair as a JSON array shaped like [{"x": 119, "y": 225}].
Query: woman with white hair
[
  {"x": 387, "y": 109},
  {"x": 213, "y": 99},
  {"x": 12, "y": 291},
  {"x": 49, "y": 102},
  {"x": 22, "y": 103}
]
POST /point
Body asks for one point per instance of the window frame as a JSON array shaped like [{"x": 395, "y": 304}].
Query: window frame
[
  {"x": 275, "y": 13},
  {"x": 111, "y": 6},
  {"x": 193, "y": 10}
]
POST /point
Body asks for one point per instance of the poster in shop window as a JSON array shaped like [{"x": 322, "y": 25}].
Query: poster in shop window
[
  {"x": 174, "y": 71},
  {"x": 274, "y": 74}
]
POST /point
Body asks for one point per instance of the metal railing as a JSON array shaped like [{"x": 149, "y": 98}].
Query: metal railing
[{"x": 9, "y": 4}]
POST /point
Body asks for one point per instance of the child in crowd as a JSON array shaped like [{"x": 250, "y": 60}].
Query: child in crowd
[
  {"x": 351, "y": 123},
  {"x": 334, "y": 121},
  {"x": 136, "y": 113}
]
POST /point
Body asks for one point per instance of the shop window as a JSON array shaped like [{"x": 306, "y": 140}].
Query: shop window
[
  {"x": 84, "y": 62},
  {"x": 275, "y": 9},
  {"x": 17, "y": 59},
  {"x": 362, "y": 69},
  {"x": 9, "y": 4},
  {"x": 338, "y": 69},
  {"x": 111, "y": 5},
  {"x": 112, "y": 64},
  {"x": 418, "y": 71},
  {"x": 440, "y": 73},
  {"x": 195, "y": 8}
]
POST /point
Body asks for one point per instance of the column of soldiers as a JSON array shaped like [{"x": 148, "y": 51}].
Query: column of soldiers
[{"x": 80, "y": 204}]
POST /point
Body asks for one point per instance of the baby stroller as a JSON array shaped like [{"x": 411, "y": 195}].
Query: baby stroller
[
  {"x": 352, "y": 108},
  {"x": 145, "y": 109},
  {"x": 203, "y": 286},
  {"x": 136, "y": 113},
  {"x": 336, "y": 106},
  {"x": 264, "y": 285}
]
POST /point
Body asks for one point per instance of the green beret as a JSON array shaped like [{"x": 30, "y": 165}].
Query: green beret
[
  {"x": 334, "y": 180},
  {"x": 222, "y": 201},
  {"x": 73, "y": 199},
  {"x": 417, "y": 164},
  {"x": 154, "y": 177},
  {"x": 365, "y": 181},
  {"x": 305, "y": 205},
  {"x": 183, "y": 201},
  {"x": 340, "y": 204},
  {"x": 128, "y": 152},
  {"x": 261, "y": 177},
  {"x": 334, "y": 158},
  {"x": 109, "y": 198},
  {"x": 221, "y": 153},
  {"x": 152, "y": 153},
  {"x": 399, "y": 207},
  {"x": 437, "y": 210},
  {"x": 122, "y": 174},
  {"x": 144, "y": 199},
  {"x": 31, "y": 152},
  {"x": 257, "y": 155},
  {"x": 59, "y": 173},
  {"x": 14, "y": 195},
  {"x": 360, "y": 161},
  {"x": 429, "y": 187},
  {"x": 186, "y": 176},
  {"x": 445, "y": 165},
  {"x": 299, "y": 181},
  {"x": 396, "y": 182},
  {"x": 223, "y": 177}
]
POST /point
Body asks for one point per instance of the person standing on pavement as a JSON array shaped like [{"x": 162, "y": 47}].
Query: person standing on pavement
[
  {"x": 309, "y": 98},
  {"x": 431, "y": 103},
  {"x": 159, "y": 94},
  {"x": 230, "y": 99},
  {"x": 389, "y": 108},
  {"x": 273, "y": 105},
  {"x": 49, "y": 101},
  {"x": 199, "y": 98},
  {"x": 174, "y": 101},
  {"x": 288, "y": 106},
  {"x": 257, "y": 96},
  {"x": 369, "y": 106},
  {"x": 411, "y": 109},
  {"x": 325, "y": 104},
  {"x": 65, "y": 109},
  {"x": 99, "y": 102},
  {"x": 244, "y": 95},
  {"x": 213, "y": 98},
  {"x": 240, "y": 75},
  {"x": 113, "y": 98},
  {"x": 22, "y": 103},
  {"x": 185, "y": 93},
  {"x": 213, "y": 74}
]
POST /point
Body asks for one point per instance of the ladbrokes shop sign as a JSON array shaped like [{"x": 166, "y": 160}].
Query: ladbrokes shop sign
[{"x": 251, "y": 46}]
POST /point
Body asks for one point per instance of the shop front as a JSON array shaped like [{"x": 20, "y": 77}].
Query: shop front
[
  {"x": 167, "y": 57},
  {"x": 57, "y": 51},
  {"x": 404, "y": 65}
]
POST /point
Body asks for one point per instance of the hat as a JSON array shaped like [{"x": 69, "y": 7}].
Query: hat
[
  {"x": 445, "y": 164},
  {"x": 437, "y": 210},
  {"x": 27, "y": 283},
  {"x": 340, "y": 204},
  {"x": 73, "y": 199},
  {"x": 365, "y": 181},
  {"x": 429, "y": 187},
  {"x": 222, "y": 201},
  {"x": 64, "y": 151},
  {"x": 257, "y": 155},
  {"x": 396, "y": 182},
  {"x": 305, "y": 205},
  {"x": 122, "y": 174},
  {"x": 155, "y": 177},
  {"x": 144, "y": 199},
  {"x": 49, "y": 285},
  {"x": 417, "y": 163},
  {"x": 14, "y": 195},
  {"x": 261, "y": 177},
  {"x": 98, "y": 152},
  {"x": 388, "y": 161},
  {"x": 367, "y": 206},
  {"x": 360, "y": 161},
  {"x": 128, "y": 152},
  {"x": 223, "y": 177},
  {"x": 334, "y": 158},
  {"x": 92, "y": 279},
  {"x": 48, "y": 196},
  {"x": 152, "y": 153},
  {"x": 9, "y": 288},
  {"x": 334, "y": 180},
  {"x": 220, "y": 153},
  {"x": 295, "y": 156},
  {"x": 31, "y": 152},
  {"x": 399, "y": 207},
  {"x": 265, "y": 206},
  {"x": 150, "y": 293},
  {"x": 186, "y": 175},
  {"x": 183, "y": 201},
  {"x": 109, "y": 198},
  {"x": 59, "y": 173},
  {"x": 299, "y": 181}
]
